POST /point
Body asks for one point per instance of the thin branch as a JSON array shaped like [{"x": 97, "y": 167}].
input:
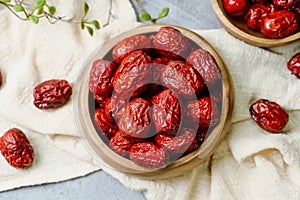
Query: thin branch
[
  {"x": 29, "y": 13},
  {"x": 53, "y": 19},
  {"x": 11, "y": 10},
  {"x": 50, "y": 18}
]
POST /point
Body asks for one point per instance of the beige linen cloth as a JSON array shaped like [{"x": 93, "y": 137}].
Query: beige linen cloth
[{"x": 249, "y": 164}]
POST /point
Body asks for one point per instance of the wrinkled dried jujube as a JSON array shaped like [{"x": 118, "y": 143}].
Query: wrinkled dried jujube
[
  {"x": 279, "y": 24},
  {"x": 170, "y": 43},
  {"x": 270, "y": 116},
  {"x": 52, "y": 94},
  {"x": 115, "y": 107},
  {"x": 106, "y": 124},
  {"x": 166, "y": 113},
  {"x": 16, "y": 148},
  {"x": 100, "y": 77},
  {"x": 206, "y": 65},
  {"x": 182, "y": 78},
  {"x": 203, "y": 111},
  {"x": 294, "y": 65},
  {"x": 236, "y": 7},
  {"x": 178, "y": 144},
  {"x": 133, "y": 72},
  {"x": 128, "y": 45},
  {"x": 148, "y": 155},
  {"x": 255, "y": 13},
  {"x": 120, "y": 144},
  {"x": 136, "y": 121}
]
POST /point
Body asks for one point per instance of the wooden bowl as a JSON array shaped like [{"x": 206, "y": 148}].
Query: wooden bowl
[
  {"x": 237, "y": 27},
  {"x": 104, "y": 155}
]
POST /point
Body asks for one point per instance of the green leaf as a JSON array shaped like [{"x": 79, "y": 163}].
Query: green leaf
[
  {"x": 86, "y": 8},
  {"x": 90, "y": 30},
  {"x": 163, "y": 13},
  {"x": 5, "y": 1},
  {"x": 34, "y": 19},
  {"x": 145, "y": 16},
  {"x": 52, "y": 10},
  {"x": 82, "y": 25},
  {"x": 40, "y": 11},
  {"x": 18, "y": 8},
  {"x": 39, "y": 3},
  {"x": 96, "y": 24}
]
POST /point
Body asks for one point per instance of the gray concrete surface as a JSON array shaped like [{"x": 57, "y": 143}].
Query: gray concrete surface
[{"x": 193, "y": 14}]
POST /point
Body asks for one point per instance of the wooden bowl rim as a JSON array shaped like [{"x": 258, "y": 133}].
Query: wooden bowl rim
[
  {"x": 99, "y": 149},
  {"x": 242, "y": 35}
]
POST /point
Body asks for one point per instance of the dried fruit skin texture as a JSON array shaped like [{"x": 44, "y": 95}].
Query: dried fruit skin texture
[
  {"x": 120, "y": 144},
  {"x": 115, "y": 107},
  {"x": 100, "y": 77},
  {"x": 133, "y": 73},
  {"x": 236, "y": 7},
  {"x": 148, "y": 155},
  {"x": 294, "y": 65},
  {"x": 178, "y": 144},
  {"x": 106, "y": 124},
  {"x": 166, "y": 113},
  {"x": 182, "y": 78},
  {"x": 269, "y": 115},
  {"x": 52, "y": 94},
  {"x": 16, "y": 148},
  {"x": 203, "y": 111},
  {"x": 136, "y": 121},
  {"x": 128, "y": 45},
  {"x": 170, "y": 42},
  {"x": 279, "y": 24},
  {"x": 255, "y": 13},
  {"x": 205, "y": 64}
]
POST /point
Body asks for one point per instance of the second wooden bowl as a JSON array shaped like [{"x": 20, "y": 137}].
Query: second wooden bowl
[{"x": 237, "y": 27}]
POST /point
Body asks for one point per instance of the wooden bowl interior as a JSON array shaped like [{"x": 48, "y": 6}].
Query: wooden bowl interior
[{"x": 100, "y": 149}]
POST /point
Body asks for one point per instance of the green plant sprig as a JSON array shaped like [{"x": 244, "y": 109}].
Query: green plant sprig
[
  {"x": 84, "y": 24},
  {"x": 42, "y": 9},
  {"x": 147, "y": 17}
]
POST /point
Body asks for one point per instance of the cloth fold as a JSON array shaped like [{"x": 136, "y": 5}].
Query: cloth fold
[
  {"x": 33, "y": 53},
  {"x": 249, "y": 164}
]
